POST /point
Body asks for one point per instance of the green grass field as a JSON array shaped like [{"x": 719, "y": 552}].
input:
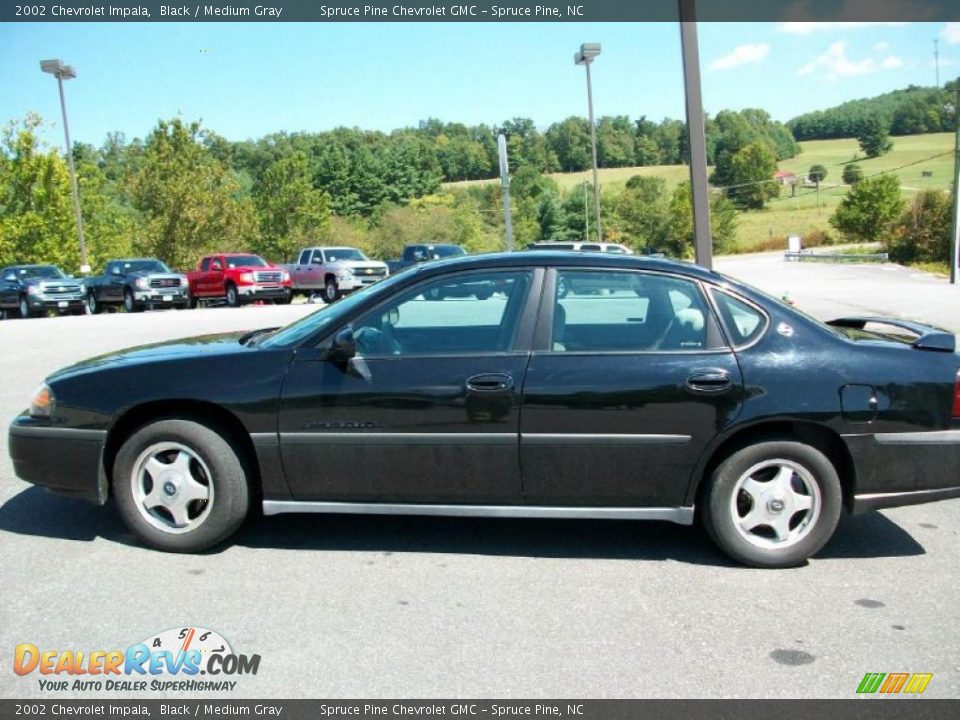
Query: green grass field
[{"x": 800, "y": 215}]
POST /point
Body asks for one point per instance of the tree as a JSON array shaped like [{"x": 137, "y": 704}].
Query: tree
[
  {"x": 570, "y": 142},
  {"x": 188, "y": 199},
  {"x": 852, "y": 174},
  {"x": 923, "y": 232},
  {"x": 874, "y": 137},
  {"x": 291, "y": 212},
  {"x": 817, "y": 173},
  {"x": 869, "y": 210},
  {"x": 723, "y": 223},
  {"x": 36, "y": 219},
  {"x": 750, "y": 174}
]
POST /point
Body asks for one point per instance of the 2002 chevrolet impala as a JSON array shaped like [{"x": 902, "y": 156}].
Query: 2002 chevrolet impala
[{"x": 647, "y": 389}]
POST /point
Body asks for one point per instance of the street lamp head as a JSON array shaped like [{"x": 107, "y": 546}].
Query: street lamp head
[
  {"x": 56, "y": 68},
  {"x": 588, "y": 51}
]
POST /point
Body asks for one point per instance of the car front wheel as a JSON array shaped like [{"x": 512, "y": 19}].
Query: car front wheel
[
  {"x": 129, "y": 302},
  {"x": 180, "y": 486},
  {"x": 25, "y": 311},
  {"x": 233, "y": 297},
  {"x": 92, "y": 304},
  {"x": 773, "y": 504},
  {"x": 331, "y": 291}
]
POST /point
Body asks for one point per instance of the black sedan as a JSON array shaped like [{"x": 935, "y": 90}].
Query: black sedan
[{"x": 673, "y": 394}]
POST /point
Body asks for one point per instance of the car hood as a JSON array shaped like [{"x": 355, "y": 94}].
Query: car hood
[
  {"x": 156, "y": 274},
  {"x": 219, "y": 344}
]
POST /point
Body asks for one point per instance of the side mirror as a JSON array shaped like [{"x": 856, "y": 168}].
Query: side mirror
[{"x": 344, "y": 347}]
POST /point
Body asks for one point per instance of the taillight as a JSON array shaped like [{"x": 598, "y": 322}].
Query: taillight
[{"x": 956, "y": 397}]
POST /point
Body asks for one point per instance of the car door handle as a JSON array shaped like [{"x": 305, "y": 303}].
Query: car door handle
[
  {"x": 489, "y": 382},
  {"x": 709, "y": 381}
]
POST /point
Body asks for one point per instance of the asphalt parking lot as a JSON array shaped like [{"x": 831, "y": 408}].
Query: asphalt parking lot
[{"x": 430, "y": 607}]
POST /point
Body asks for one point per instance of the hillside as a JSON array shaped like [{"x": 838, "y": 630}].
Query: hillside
[{"x": 788, "y": 215}]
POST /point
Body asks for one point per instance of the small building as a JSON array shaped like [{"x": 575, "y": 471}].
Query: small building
[{"x": 785, "y": 178}]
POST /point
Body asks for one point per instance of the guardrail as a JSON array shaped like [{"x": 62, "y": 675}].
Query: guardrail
[{"x": 835, "y": 257}]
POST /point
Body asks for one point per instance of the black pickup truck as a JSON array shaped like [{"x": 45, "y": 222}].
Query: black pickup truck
[
  {"x": 136, "y": 284},
  {"x": 32, "y": 290},
  {"x": 415, "y": 254}
]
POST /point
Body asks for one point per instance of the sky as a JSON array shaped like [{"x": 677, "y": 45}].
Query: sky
[{"x": 245, "y": 80}]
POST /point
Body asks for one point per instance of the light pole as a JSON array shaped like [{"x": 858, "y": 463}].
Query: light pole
[
  {"x": 66, "y": 72},
  {"x": 588, "y": 51},
  {"x": 586, "y": 214}
]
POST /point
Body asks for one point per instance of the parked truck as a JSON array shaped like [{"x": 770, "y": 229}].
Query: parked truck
[
  {"x": 136, "y": 284},
  {"x": 238, "y": 278},
  {"x": 416, "y": 254},
  {"x": 334, "y": 271},
  {"x": 31, "y": 290}
]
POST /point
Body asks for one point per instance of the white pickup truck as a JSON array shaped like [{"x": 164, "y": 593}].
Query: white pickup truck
[{"x": 333, "y": 271}]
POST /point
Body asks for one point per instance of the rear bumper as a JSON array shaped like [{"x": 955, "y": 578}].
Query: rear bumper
[
  {"x": 904, "y": 468},
  {"x": 63, "y": 460}
]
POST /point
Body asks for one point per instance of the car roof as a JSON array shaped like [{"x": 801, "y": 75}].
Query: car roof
[{"x": 570, "y": 259}]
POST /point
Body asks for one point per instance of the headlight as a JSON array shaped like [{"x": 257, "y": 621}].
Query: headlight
[
  {"x": 43, "y": 402},
  {"x": 33, "y": 290},
  {"x": 143, "y": 283},
  {"x": 345, "y": 274},
  {"x": 83, "y": 288},
  {"x": 286, "y": 277},
  {"x": 246, "y": 277}
]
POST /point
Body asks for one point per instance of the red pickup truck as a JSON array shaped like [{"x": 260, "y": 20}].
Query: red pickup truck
[{"x": 238, "y": 278}]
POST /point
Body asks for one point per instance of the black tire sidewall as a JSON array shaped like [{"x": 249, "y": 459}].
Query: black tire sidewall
[
  {"x": 720, "y": 525},
  {"x": 231, "y": 494}
]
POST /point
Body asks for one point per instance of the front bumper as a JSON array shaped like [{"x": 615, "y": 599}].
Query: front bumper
[
  {"x": 162, "y": 296},
  {"x": 355, "y": 282},
  {"x": 66, "y": 461},
  {"x": 45, "y": 302},
  {"x": 266, "y": 292}
]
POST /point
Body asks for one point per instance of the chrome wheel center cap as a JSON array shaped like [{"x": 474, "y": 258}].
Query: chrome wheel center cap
[{"x": 776, "y": 505}]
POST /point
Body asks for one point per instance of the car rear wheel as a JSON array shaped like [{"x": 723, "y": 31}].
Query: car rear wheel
[
  {"x": 773, "y": 504},
  {"x": 233, "y": 297},
  {"x": 331, "y": 291},
  {"x": 180, "y": 486}
]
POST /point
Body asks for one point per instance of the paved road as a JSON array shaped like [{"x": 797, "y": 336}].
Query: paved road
[{"x": 420, "y": 607}]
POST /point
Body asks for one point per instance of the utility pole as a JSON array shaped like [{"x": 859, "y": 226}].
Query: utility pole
[
  {"x": 955, "y": 235},
  {"x": 696, "y": 134},
  {"x": 936, "y": 59},
  {"x": 586, "y": 214},
  {"x": 505, "y": 188}
]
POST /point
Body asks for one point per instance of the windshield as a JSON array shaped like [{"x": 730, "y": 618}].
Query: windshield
[
  {"x": 237, "y": 261},
  {"x": 327, "y": 317},
  {"x": 339, "y": 254},
  {"x": 134, "y": 266},
  {"x": 41, "y": 271},
  {"x": 442, "y": 251}
]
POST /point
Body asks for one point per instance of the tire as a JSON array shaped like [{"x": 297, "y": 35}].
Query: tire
[
  {"x": 483, "y": 294},
  {"x": 331, "y": 291},
  {"x": 129, "y": 302},
  {"x": 211, "y": 496},
  {"x": 24, "y": 307},
  {"x": 233, "y": 297},
  {"x": 285, "y": 300},
  {"x": 192, "y": 303},
  {"x": 93, "y": 305},
  {"x": 793, "y": 494}
]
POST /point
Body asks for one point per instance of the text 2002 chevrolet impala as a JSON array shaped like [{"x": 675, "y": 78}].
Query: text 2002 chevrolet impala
[{"x": 664, "y": 392}]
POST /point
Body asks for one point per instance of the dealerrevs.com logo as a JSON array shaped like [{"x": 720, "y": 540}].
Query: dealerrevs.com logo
[{"x": 189, "y": 659}]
